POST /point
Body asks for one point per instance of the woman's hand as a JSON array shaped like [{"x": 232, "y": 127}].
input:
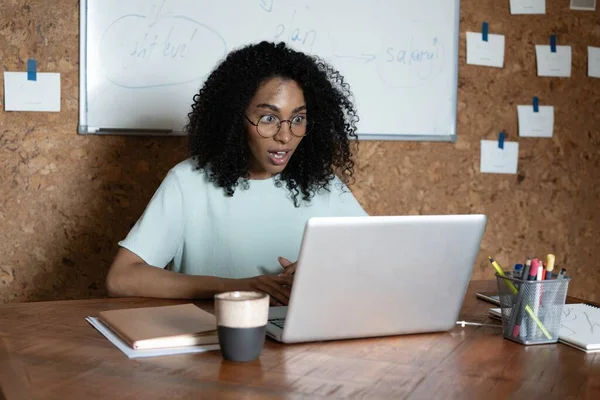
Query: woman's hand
[
  {"x": 277, "y": 287},
  {"x": 289, "y": 268}
]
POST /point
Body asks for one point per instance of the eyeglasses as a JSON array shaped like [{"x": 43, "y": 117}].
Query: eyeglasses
[{"x": 269, "y": 125}]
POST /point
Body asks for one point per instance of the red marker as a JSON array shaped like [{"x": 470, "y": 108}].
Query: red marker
[{"x": 535, "y": 264}]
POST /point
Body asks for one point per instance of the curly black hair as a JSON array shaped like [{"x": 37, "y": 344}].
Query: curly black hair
[{"x": 217, "y": 137}]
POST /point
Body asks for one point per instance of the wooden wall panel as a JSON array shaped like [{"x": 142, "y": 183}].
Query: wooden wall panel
[{"x": 65, "y": 199}]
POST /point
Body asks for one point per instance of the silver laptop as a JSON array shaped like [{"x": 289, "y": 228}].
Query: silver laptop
[{"x": 377, "y": 276}]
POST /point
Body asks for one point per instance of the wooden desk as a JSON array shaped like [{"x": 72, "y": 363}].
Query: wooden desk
[{"x": 66, "y": 358}]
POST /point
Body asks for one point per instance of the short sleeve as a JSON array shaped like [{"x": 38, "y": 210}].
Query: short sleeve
[
  {"x": 158, "y": 234},
  {"x": 343, "y": 203}
]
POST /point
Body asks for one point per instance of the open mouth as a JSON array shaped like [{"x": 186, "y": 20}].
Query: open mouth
[{"x": 279, "y": 157}]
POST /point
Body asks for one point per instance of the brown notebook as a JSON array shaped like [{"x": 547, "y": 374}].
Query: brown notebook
[{"x": 161, "y": 327}]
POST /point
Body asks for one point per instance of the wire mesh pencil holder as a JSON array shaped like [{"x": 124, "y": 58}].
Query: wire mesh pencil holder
[{"x": 531, "y": 310}]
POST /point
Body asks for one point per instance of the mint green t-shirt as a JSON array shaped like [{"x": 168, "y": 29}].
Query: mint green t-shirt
[{"x": 192, "y": 224}]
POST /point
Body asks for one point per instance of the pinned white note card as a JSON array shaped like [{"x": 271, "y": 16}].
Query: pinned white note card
[
  {"x": 41, "y": 94},
  {"x": 584, "y": 5},
  {"x": 498, "y": 160},
  {"x": 528, "y": 6},
  {"x": 556, "y": 63},
  {"x": 594, "y": 62},
  {"x": 536, "y": 124},
  {"x": 488, "y": 53}
]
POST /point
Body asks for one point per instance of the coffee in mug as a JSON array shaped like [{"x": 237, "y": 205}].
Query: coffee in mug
[{"x": 241, "y": 324}]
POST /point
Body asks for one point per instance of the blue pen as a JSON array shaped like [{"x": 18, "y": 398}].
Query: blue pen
[{"x": 518, "y": 271}]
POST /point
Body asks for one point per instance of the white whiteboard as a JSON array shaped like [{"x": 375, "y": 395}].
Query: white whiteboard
[{"x": 142, "y": 61}]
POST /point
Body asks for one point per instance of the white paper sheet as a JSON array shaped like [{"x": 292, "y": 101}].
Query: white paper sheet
[
  {"x": 528, "y": 6},
  {"x": 131, "y": 353},
  {"x": 43, "y": 94},
  {"x": 536, "y": 124},
  {"x": 583, "y": 5},
  {"x": 553, "y": 64},
  {"x": 499, "y": 161},
  {"x": 480, "y": 52},
  {"x": 594, "y": 62}
]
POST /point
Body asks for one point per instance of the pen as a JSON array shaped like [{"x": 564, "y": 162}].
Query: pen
[
  {"x": 550, "y": 258},
  {"x": 516, "y": 316},
  {"x": 533, "y": 270},
  {"x": 531, "y": 276},
  {"x": 496, "y": 266},
  {"x": 539, "y": 289},
  {"x": 535, "y": 263},
  {"x": 560, "y": 276},
  {"x": 526, "y": 269},
  {"x": 518, "y": 271},
  {"x": 540, "y": 273},
  {"x": 537, "y": 270},
  {"x": 543, "y": 265},
  {"x": 515, "y": 291}
]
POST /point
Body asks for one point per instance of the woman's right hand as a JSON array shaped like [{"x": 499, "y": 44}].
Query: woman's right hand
[{"x": 278, "y": 288}]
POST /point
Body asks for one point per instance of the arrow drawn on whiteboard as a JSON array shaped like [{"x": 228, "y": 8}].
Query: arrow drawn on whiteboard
[{"x": 367, "y": 58}]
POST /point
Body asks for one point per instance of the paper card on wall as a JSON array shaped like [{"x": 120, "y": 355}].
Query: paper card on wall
[
  {"x": 42, "y": 94},
  {"x": 499, "y": 161},
  {"x": 594, "y": 62},
  {"x": 584, "y": 5},
  {"x": 528, "y": 6},
  {"x": 553, "y": 64},
  {"x": 480, "y": 52},
  {"x": 536, "y": 124}
]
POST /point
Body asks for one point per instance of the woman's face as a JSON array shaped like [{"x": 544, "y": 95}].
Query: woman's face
[{"x": 276, "y": 99}]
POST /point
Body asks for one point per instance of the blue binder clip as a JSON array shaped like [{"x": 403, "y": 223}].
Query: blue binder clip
[
  {"x": 553, "y": 43},
  {"x": 501, "y": 140},
  {"x": 31, "y": 70},
  {"x": 484, "y": 31}
]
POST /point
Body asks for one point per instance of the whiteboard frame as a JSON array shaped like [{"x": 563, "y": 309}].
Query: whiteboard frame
[
  {"x": 84, "y": 129},
  {"x": 83, "y": 108}
]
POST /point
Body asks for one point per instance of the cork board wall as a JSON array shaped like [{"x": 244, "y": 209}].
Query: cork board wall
[{"x": 65, "y": 199}]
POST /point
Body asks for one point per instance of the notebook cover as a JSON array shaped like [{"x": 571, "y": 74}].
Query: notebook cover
[{"x": 166, "y": 326}]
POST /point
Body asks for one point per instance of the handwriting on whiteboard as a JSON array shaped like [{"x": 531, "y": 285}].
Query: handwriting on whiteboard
[
  {"x": 411, "y": 61},
  {"x": 154, "y": 49},
  {"x": 292, "y": 33},
  {"x": 266, "y": 5},
  {"x": 403, "y": 61}
]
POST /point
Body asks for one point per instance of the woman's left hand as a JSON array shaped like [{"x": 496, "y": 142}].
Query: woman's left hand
[{"x": 289, "y": 268}]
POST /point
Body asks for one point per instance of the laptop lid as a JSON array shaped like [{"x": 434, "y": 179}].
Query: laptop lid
[{"x": 381, "y": 275}]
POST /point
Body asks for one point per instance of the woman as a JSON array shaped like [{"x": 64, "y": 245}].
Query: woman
[{"x": 267, "y": 131}]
